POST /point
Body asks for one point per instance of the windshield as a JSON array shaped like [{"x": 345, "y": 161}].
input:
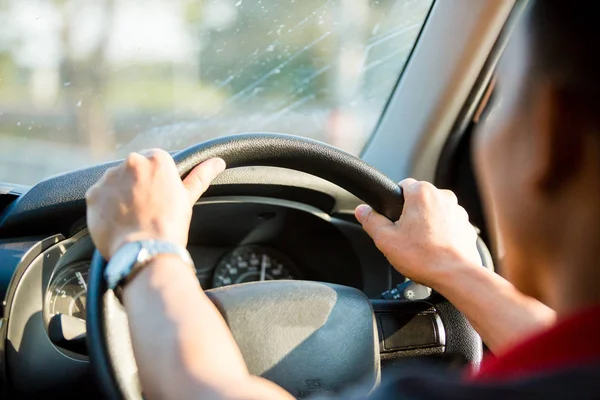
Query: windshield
[{"x": 87, "y": 81}]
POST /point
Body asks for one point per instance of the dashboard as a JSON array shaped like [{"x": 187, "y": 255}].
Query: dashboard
[
  {"x": 253, "y": 224},
  {"x": 233, "y": 239},
  {"x": 238, "y": 240}
]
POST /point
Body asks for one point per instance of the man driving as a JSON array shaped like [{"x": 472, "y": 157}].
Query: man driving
[{"x": 537, "y": 158}]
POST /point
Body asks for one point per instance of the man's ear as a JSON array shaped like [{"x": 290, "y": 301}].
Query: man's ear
[{"x": 559, "y": 126}]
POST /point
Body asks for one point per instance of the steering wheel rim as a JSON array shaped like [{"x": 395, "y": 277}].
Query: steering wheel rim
[
  {"x": 300, "y": 154},
  {"x": 254, "y": 149}
]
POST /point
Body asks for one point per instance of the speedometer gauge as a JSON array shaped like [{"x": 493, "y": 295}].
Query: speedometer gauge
[
  {"x": 253, "y": 263},
  {"x": 68, "y": 291}
]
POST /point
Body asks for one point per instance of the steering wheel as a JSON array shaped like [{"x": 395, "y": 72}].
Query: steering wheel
[{"x": 304, "y": 336}]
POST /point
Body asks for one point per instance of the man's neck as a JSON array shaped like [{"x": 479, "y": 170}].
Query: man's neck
[{"x": 572, "y": 279}]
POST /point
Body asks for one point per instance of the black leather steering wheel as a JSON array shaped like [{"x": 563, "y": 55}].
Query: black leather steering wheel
[{"x": 338, "y": 344}]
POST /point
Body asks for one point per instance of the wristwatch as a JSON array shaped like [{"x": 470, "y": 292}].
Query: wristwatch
[{"x": 132, "y": 257}]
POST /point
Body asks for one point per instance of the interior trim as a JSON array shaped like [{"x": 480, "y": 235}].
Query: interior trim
[
  {"x": 482, "y": 88},
  {"x": 446, "y": 62},
  {"x": 264, "y": 200}
]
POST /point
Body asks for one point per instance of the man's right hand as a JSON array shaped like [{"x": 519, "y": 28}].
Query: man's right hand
[
  {"x": 434, "y": 244},
  {"x": 432, "y": 236}
]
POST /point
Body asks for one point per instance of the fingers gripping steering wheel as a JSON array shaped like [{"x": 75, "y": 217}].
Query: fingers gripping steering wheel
[{"x": 343, "y": 345}]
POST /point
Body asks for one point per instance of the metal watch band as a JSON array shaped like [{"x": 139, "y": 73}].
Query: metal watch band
[{"x": 132, "y": 257}]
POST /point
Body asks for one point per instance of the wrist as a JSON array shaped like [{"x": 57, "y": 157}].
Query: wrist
[
  {"x": 454, "y": 275},
  {"x": 133, "y": 257},
  {"x": 162, "y": 267}
]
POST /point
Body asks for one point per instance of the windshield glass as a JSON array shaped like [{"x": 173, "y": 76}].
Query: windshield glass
[{"x": 87, "y": 81}]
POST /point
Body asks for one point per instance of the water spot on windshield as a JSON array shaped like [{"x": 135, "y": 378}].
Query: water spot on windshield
[{"x": 98, "y": 79}]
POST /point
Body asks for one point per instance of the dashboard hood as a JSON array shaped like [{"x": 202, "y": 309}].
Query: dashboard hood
[
  {"x": 57, "y": 204},
  {"x": 52, "y": 203}
]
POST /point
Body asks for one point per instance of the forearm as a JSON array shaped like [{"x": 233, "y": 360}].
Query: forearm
[
  {"x": 182, "y": 345},
  {"x": 497, "y": 310}
]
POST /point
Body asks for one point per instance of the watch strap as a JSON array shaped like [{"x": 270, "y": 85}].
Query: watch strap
[{"x": 132, "y": 257}]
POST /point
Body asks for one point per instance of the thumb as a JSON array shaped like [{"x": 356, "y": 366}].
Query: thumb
[
  {"x": 201, "y": 176},
  {"x": 371, "y": 221}
]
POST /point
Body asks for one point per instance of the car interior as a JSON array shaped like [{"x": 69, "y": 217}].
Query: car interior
[{"x": 282, "y": 212}]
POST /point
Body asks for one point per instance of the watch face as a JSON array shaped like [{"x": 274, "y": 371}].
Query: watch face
[{"x": 121, "y": 263}]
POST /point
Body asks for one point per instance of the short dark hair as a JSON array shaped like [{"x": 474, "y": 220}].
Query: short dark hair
[{"x": 564, "y": 40}]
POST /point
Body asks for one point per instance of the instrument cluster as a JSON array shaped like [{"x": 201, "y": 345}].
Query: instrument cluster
[{"x": 67, "y": 291}]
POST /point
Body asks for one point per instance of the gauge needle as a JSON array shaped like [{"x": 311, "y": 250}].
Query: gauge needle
[{"x": 263, "y": 267}]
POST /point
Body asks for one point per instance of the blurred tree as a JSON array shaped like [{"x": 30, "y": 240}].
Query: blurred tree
[{"x": 85, "y": 81}]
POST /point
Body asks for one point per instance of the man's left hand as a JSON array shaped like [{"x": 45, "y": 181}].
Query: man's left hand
[{"x": 144, "y": 198}]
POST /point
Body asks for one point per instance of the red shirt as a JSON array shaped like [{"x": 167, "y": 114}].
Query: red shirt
[{"x": 573, "y": 341}]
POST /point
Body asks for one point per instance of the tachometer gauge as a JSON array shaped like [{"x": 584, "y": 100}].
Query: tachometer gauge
[
  {"x": 68, "y": 291},
  {"x": 253, "y": 263}
]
